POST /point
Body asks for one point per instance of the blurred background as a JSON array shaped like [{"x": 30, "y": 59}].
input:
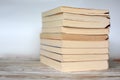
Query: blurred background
[{"x": 20, "y": 25}]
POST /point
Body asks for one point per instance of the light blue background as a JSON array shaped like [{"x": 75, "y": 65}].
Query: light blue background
[{"x": 20, "y": 24}]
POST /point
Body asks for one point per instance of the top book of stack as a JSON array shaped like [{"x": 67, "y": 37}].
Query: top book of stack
[{"x": 76, "y": 18}]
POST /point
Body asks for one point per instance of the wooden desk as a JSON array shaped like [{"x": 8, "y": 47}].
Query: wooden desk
[{"x": 34, "y": 70}]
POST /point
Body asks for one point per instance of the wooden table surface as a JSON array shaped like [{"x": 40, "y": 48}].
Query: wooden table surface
[{"x": 34, "y": 70}]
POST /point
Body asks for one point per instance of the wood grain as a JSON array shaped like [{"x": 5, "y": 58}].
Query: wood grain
[{"x": 34, "y": 70}]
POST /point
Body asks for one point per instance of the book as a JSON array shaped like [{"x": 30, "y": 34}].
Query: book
[
  {"x": 77, "y": 24},
  {"x": 74, "y": 66},
  {"x": 75, "y": 30},
  {"x": 75, "y": 39},
  {"x": 93, "y": 51},
  {"x": 75, "y": 44},
  {"x": 66, "y": 9},
  {"x": 63, "y": 36},
  {"x": 74, "y": 57},
  {"x": 76, "y": 17}
]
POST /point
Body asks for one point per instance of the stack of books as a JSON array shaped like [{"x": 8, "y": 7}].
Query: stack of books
[{"x": 75, "y": 39}]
